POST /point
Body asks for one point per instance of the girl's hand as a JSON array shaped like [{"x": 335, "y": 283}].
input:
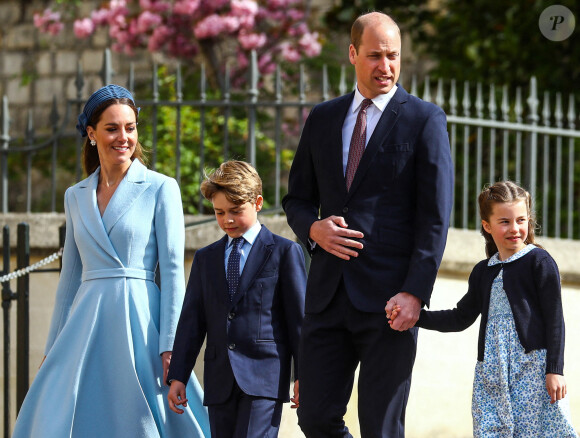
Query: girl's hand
[
  {"x": 556, "y": 386},
  {"x": 392, "y": 311}
]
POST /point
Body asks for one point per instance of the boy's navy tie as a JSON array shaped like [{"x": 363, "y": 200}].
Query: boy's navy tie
[{"x": 233, "y": 275}]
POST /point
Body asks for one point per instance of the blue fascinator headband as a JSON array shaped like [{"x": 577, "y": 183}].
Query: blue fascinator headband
[{"x": 103, "y": 94}]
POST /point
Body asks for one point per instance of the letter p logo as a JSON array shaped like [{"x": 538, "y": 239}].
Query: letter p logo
[{"x": 557, "y": 23}]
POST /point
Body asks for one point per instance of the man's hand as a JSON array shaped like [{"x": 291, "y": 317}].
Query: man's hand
[
  {"x": 333, "y": 235},
  {"x": 408, "y": 308},
  {"x": 556, "y": 386},
  {"x": 177, "y": 396}
]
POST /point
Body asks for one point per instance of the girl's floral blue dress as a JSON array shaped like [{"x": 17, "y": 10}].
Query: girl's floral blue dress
[{"x": 509, "y": 390}]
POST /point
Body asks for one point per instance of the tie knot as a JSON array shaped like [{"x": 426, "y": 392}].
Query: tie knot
[
  {"x": 365, "y": 104},
  {"x": 236, "y": 241}
]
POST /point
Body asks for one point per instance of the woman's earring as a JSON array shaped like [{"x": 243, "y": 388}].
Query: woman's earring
[{"x": 93, "y": 143}]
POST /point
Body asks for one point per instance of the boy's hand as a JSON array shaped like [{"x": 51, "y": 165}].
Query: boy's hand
[
  {"x": 556, "y": 386},
  {"x": 177, "y": 396},
  {"x": 296, "y": 398}
]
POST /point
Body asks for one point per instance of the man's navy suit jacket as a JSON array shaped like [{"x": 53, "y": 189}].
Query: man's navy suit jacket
[
  {"x": 400, "y": 199},
  {"x": 256, "y": 335}
]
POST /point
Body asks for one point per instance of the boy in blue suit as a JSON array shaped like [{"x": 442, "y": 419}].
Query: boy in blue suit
[{"x": 246, "y": 294}]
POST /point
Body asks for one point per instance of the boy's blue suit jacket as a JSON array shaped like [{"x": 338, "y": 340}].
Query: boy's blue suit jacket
[{"x": 252, "y": 338}]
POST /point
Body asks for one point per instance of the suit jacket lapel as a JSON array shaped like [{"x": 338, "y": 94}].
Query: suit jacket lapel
[
  {"x": 85, "y": 193},
  {"x": 129, "y": 190},
  {"x": 379, "y": 137},
  {"x": 259, "y": 254}
]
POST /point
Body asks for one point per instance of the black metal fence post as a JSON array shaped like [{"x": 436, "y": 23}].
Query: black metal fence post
[
  {"x": 6, "y": 305},
  {"x": 22, "y": 316}
]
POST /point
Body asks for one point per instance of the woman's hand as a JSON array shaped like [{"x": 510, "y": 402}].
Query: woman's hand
[{"x": 165, "y": 360}]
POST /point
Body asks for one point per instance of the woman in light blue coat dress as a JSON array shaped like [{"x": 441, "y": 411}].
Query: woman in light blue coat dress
[{"x": 112, "y": 330}]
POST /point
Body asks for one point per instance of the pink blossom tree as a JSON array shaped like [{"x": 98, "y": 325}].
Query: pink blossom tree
[{"x": 220, "y": 31}]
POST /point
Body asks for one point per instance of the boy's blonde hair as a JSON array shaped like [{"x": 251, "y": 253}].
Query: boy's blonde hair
[
  {"x": 237, "y": 180},
  {"x": 501, "y": 192}
]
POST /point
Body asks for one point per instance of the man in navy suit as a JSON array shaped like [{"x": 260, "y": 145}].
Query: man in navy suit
[
  {"x": 376, "y": 229},
  {"x": 246, "y": 293}
]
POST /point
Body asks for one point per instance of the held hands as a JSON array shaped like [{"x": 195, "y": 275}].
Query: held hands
[
  {"x": 556, "y": 386},
  {"x": 177, "y": 396},
  {"x": 333, "y": 235},
  {"x": 403, "y": 311}
]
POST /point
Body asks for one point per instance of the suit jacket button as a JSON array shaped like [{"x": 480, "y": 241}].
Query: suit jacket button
[
  {"x": 345, "y": 210},
  {"x": 232, "y": 346},
  {"x": 231, "y": 315}
]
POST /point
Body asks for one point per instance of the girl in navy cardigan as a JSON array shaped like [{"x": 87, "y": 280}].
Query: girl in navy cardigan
[{"x": 521, "y": 336}]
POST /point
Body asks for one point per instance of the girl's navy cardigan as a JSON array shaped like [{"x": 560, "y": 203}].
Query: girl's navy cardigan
[{"x": 532, "y": 285}]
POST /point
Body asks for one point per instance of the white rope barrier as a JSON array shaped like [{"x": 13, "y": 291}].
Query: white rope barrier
[{"x": 24, "y": 271}]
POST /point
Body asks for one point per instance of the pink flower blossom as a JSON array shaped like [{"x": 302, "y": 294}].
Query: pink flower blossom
[
  {"x": 48, "y": 22},
  {"x": 277, "y": 4},
  {"x": 83, "y": 28},
  {"x": 298, "y": 30},
  {"x": 147, "y": 21},
  {"x": 115, "y": 4},
  {"x": 251, "y": 41},
  {"x": 55, "y": 28},
  {"x": 310, "y": 45},
  {"x": 159, "y": 38},
  {"x": 215, "y": 24},
  {"x": 186, "y": 7},
  {"x": 246, "y": 21},
  {"x": 232, "y": 24},
  {"x": 244, "y": 7},
  {"x": 100, "y": 16},
  {"x": 289, "y": 53},
  {"x": 154, "y": 6},
  {"x": 295, "y": 14}
]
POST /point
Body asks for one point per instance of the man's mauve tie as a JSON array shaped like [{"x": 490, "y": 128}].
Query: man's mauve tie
[
  {"x": 357, "y": 143},
  {"x": 233, "y": 275}
]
